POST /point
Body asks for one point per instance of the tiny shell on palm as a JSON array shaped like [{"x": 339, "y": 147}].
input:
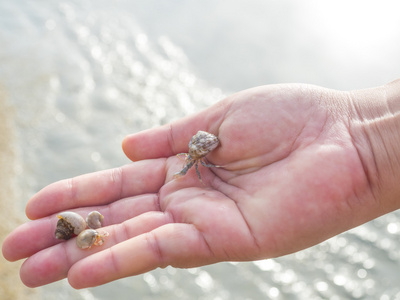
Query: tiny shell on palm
[
  {"x": 202, "y": 143},
  {"x": 94, "y": 220}
]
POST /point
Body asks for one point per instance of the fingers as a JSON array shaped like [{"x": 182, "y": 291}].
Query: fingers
[
  {"x": 179, "y": 245},
  {"x": 98, "y": 188},
  {"x": 28, "y": 239},
  {"x": 53, "y": 263},
  {"x": 34, "y": 236},
  {"x": 173, "y": 138}
]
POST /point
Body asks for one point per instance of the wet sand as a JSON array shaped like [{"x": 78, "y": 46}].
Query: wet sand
[{"x": 11, "y": 286}]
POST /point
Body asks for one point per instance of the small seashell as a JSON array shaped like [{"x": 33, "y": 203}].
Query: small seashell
[
  {"x": 201, "y": 144},
  {"x": 90, "y": 237},
  {"x": 94, "y": 220},
  {"x": 86, "y": 238},
  {"x": 69, "y": 224}
]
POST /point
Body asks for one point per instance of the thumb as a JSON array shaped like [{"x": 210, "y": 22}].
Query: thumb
[{"x": 173, "y": 138}]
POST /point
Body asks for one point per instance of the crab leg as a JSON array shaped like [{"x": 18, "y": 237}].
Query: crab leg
[
  {"x": 197, "y": 171},
  {"x": 185, "y": 169},
  {"x": 208, "y": 165}
]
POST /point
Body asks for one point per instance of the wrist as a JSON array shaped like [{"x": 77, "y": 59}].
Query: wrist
[{"x": 375, "y": 128}]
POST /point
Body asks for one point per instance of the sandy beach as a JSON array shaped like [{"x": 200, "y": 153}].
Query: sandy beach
[{"x": 11, "y": 286}]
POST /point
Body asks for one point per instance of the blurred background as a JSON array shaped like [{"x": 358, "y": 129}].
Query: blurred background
[{"x": 77, "y": 76}]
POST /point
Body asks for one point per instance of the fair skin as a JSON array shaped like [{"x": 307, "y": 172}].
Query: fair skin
[{"x": 300, "y": 164}]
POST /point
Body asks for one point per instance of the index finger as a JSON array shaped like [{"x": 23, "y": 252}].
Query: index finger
[{"x": 98, "y": 188}]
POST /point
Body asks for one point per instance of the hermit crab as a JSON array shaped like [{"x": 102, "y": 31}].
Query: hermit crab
[
  {"x": 72, "y": 224},
  {"x": 69, "y": 223},
  {"x": 90, "y": 237},
  {"x": 200, "y": 145}
]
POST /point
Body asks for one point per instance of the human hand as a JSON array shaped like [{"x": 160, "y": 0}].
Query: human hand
[{"x": 292, "y": 177}]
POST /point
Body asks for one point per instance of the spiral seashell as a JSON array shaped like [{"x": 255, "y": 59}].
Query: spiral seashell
[
  {"x": 94, "y": 220},
  {"x": 201, "y": 144},
  {"x": 90, "y": 237},
  {"x": 69, "y": 224}
]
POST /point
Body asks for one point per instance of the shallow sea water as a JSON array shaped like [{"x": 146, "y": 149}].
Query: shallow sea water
[{"x": 81, "y": 75}]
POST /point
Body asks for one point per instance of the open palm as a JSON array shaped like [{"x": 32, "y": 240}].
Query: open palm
[{"x": 290, "y": 178}]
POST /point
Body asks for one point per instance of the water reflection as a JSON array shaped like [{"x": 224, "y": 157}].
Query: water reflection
[{"x": 87, "y": 74}]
